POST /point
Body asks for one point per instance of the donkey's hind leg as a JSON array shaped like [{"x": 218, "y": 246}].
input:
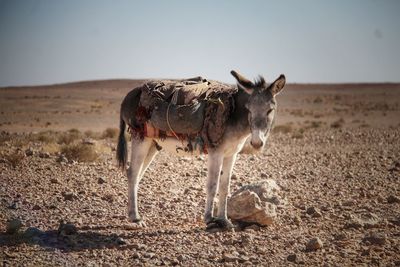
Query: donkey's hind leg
[
  {"x": 149, "y": 158},
  {"x": 140, "y": 150},
  {"x": 214, "y": 168}
]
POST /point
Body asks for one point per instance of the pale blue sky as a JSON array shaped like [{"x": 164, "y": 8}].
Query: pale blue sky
[{"x": 54, "y": 41}]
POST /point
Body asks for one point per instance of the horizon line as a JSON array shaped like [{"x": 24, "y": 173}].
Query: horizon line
[{"x": 174, "y": 78}]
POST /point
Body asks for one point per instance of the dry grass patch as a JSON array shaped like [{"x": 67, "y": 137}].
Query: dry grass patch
[
  {"x": 45, "y": 137},
  {"x": 51, "y": 148},
  {"x": 79, "y": 152},
  {"x": 14, "y": 158},
  {"x": 5, "y": 137},
  {"x": 93, "y": 135},
  {"x": 286, "y": 128},
  {"x": 110, "y": 133},
  {"x": 69, "y": 137}
]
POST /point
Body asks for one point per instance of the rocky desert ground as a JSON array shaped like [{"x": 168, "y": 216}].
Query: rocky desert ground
[{"x": 334, "y": 152}]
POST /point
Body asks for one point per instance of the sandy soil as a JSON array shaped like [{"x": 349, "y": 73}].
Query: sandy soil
[{"x": 335, "y": 152}]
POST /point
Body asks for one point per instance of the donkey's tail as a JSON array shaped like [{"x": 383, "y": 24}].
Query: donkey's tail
[{"x": 122, "y": 149}]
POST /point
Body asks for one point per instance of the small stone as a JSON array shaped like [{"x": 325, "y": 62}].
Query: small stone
[
  {"x": 297, "y": 220},
  {"x": 181, "y": 258},
  {"x": 62, "y": 159},
  {"x": 69, "y": 196},
  {"x": 29, "y": 152},
  {"x": 366, "y": 252},
  {"x": 101, "y": 180},
  {"x": 149, "y": 255},
  {"x": 13, "y": 206},
  {"x": 54, "y": 180},
  {"x": 227, "y": 257},
  {"x": 136, "y": 255},
  {"x": 395, "y": 221},
  {"x": 67, "y": 229},
  {"x": 366, "y": 220},
  {"x": 375, "y": 239},
  {"x": 36, "y": 207},
  {"x": 175, "y": 262},
  {"x": 13, "y": 226},
  {"x": 393, "y": 199},
  {"x": 313, "y": 212},
  {"x": 120, "y": 241},
  {"x": 108, "y": 197},
  {"x": 292, "y": 257},
  {"x": 314, "y": 244},
  {"x": 44, "y": 155}
]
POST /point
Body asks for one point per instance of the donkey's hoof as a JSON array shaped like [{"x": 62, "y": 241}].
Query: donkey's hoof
[
  {"x": 137, "y": 223},
  {"x": 216, "y": 224}
]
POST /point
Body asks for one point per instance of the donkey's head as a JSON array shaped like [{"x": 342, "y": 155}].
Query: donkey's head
[{"x": 261, "y": 106}]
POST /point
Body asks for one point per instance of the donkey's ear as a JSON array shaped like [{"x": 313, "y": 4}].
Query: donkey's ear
[
  {"x": 277, "y": 86},
  {"x": 243, "y": 83}
]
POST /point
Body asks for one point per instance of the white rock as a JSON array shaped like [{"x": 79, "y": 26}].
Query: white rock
[{"x": 255, "y": 203}]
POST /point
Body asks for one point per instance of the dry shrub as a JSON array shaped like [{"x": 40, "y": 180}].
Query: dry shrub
[
  {"x": 79, "y": 152},
  {"x": 14, "y": 158},
  {"x": 316, "y": 124},
  {"x": 110, "y": 133},
  {"x": 21, "y": 140},
  {"x": 51, "y": 148},
  {"x": 297, "y": 112},
  {"x": 286, "y": 128},
  {"x": 5, "y": 137},
  {"x": 318, "y": 100},
  {"x": 93, "y": 135},
  {"x": 69, "y": 136},
  {"x": 338, "y": 124},
  {"x": 299, "y": 134},
  {"x": 46, "y": 137}
]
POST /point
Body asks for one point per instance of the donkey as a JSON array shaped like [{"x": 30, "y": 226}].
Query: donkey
[{"x": 252, "y": 118}]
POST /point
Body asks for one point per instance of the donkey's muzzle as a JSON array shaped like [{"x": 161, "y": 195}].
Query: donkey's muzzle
[{"x": 257, "y": 145}]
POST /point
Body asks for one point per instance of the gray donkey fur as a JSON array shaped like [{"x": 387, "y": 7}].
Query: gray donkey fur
[{"x": 255, "y": 107}]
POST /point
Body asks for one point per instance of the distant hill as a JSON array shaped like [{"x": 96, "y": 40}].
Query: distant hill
[{"x": 95, "y": 84}]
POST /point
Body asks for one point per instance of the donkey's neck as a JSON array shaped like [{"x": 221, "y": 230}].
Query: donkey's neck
[{"x": 239, "y": 119}]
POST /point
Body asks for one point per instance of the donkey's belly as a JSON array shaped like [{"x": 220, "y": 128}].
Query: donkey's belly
[{"x": 179, "y": 148}]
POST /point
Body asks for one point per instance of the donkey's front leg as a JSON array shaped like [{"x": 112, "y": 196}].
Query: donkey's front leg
[
  {"x": 140, "y": 150},
  {"x": 214, "y": 168},
  {"x": 224, "y": 189}
]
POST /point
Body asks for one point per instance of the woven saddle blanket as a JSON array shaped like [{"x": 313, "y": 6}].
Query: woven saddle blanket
[{"x": 187, "y": 108}]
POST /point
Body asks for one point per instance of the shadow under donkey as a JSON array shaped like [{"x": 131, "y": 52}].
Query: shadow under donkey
[{"x": 85, "y": 239}]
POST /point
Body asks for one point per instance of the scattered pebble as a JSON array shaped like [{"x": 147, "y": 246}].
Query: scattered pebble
[
  {"x": 313, "y": 212},
  {"x": 13, "y": 206},
  {"x": 101, "y": 180},
  {"x": 314, "y": 244},
  {"x": 67, "y": 229},
  {"x": 44, "y": 155},
  {"x": 69, "y": 196},
  {"x": 375, "y": 239},
  {"x": 29, "y": 152},
  {"x": 292, "y": 257},
  {"x": 120, "y": 241},
  {"x": 393, "y": 199},
  {"x": 62, "y": 159},
  {"x": 36, "y": 207},
  {"x": 230, "y": 257}
]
